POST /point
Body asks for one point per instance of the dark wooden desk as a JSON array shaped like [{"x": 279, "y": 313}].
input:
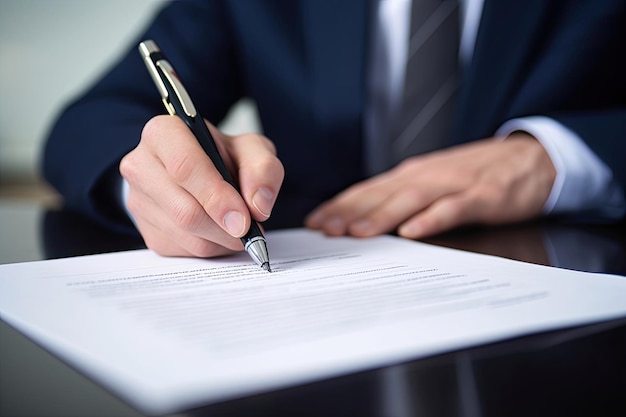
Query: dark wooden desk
[{"x": 576, "y": 371}]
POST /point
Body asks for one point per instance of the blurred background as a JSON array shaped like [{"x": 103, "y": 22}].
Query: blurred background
[{"x": 50, "y": 50}]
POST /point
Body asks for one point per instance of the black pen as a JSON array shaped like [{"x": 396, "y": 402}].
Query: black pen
[{"x": 177, "y": 102}]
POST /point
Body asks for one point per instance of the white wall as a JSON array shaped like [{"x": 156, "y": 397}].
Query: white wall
[{"x": 49, "y": 51}]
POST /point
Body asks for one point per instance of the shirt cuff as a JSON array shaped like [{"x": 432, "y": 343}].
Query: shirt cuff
[
  {"x": 583, "y": 183},
  {"x": 124, "y": 190}
]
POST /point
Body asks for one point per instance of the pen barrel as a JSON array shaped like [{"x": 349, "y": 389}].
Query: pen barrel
[
  {"x": 203, "y": 135},
  {"x": 253, "y": 232},
  {"x": 205, "y": 139}
]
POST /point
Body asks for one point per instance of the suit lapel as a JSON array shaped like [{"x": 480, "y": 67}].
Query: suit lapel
[
  {"x": 502, "y": 51},
  {"x": 336, "y": 53}
]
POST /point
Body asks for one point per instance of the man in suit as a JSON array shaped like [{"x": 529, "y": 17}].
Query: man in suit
[{"x": 540, "y": 77}]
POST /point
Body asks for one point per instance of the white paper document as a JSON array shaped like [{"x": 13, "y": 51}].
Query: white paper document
[{"x": 167, "y": 334}]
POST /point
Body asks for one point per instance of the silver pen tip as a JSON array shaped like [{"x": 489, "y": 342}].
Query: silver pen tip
[{"x": 257, "y": 250}]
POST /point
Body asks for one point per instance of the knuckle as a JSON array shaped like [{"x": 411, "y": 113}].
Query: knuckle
[
  {"x": 269, "y": 144},
  {"x": 127, "y": 167},
  {"x": 187, "y": 216},
  {"x": 180, "y": 166},
  {"x": 273, "y": 167},
  {"x": 216, "y": 197},
  {"x": 448, "y": 213},
  {"x": 153, "y": 127},
  {"x": 456, "y": 209},
  {"x": 407, "y": 164},
  {"x": 130, "y": 166}
]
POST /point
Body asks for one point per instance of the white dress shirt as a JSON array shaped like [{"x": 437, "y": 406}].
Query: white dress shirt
[{"x": 583, "y": 181}]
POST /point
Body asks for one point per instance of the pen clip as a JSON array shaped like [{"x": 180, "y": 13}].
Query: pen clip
[{"x": 166, "y": 80}]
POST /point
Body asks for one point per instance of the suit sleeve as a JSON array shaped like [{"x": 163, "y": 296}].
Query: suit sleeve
[
  {"x": 579, "y": 78},
  {"x": 93, "y": 133},
  {"x": 594, "y": 80},
  {"x": 605, "y": 134}
]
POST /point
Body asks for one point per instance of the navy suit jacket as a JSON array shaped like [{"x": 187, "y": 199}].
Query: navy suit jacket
[{"x": 303, "y": 63}]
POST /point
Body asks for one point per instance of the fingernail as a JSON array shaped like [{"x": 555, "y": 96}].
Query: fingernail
[
  {"x": 263, "y": 200},
  {"x": 235, "y": 222},
  {"x": 410, "y": 231}
]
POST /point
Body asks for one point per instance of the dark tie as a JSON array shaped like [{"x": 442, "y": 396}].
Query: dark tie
[{"x": 431, "y": 80}]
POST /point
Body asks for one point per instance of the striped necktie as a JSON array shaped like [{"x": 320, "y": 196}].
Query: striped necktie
[{"x": 431, "y": 80}]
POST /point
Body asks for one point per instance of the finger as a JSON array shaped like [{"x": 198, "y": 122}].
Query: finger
[
  {"x": 155, "y": 199},
  {"x": 167, "y": 243},
  {"x": 444, "y": 214},
  {"x": 334, "y": 216},
  {"x": 189, "y": 227},
  {"x": 169, "y": 209},
  {"x": 393, "y": 211},
  {"x": 260, "y": 172},
  {"x": 188, "y": 166}
]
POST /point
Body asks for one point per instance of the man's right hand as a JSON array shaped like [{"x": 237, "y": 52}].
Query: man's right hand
[{"x": 181, "y": 204}]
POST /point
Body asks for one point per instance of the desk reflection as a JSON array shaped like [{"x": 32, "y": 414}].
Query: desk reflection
[
  {"x": 590, "y": 248},
  {"x": 578, "y": 371},
  {"x": 65, "y": 233}
]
